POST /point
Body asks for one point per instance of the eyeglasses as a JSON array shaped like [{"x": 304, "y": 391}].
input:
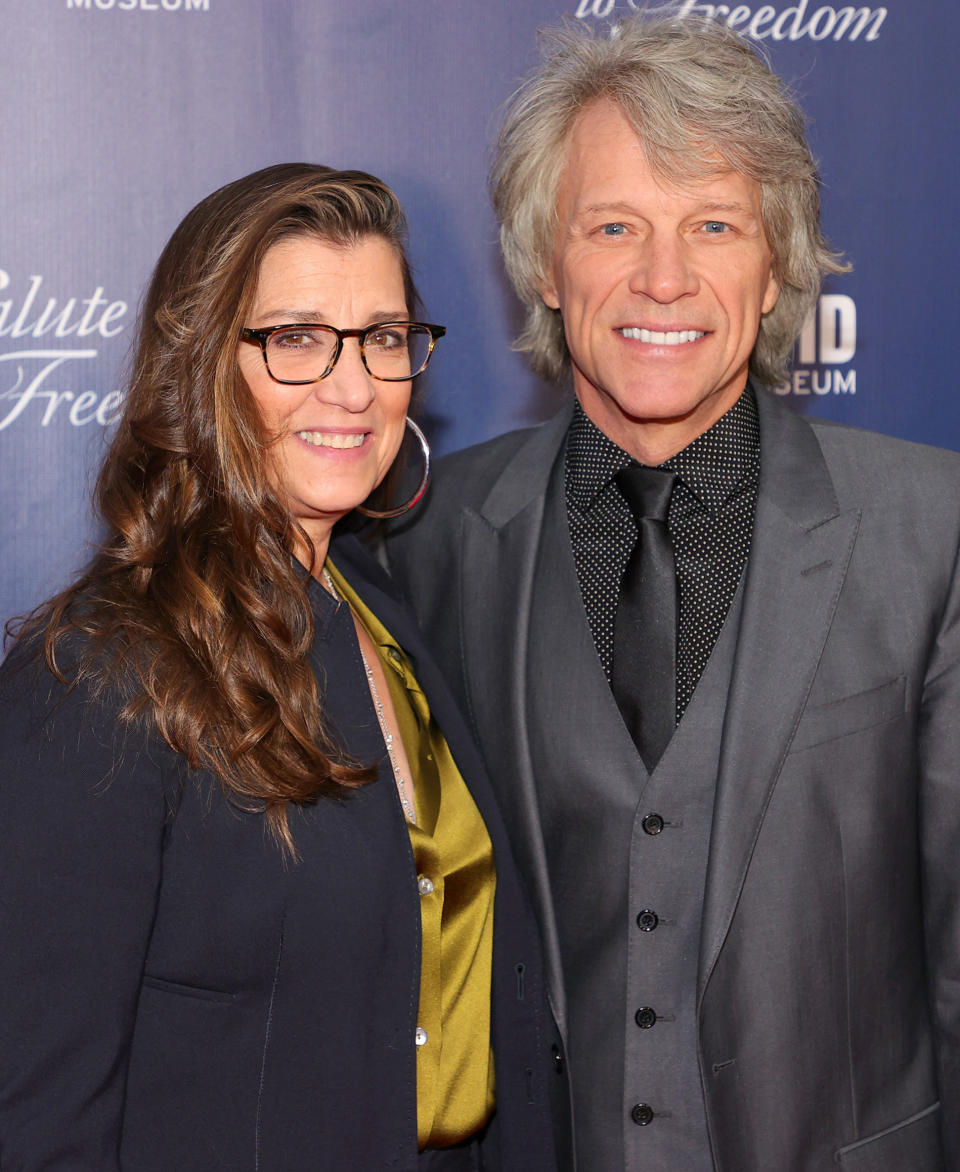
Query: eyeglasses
[{"x": 392, "y": 351}]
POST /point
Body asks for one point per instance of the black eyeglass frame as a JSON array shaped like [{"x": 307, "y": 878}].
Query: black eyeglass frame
[{"x": 261, "y": 337}]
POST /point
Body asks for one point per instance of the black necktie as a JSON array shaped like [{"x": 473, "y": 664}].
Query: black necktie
[{"x": 644, "y": 678}]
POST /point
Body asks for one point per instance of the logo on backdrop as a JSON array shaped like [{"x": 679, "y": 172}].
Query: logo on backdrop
[
  {"x": 818, "y": 22},
  {"x": 142, "y": 5},
  {"x": 825, "y": 347},
  {"x": 34, "y": 370}
]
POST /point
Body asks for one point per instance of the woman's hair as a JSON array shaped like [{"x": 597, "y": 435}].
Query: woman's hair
[
  {"x": 695, "y": 93},
  {"x": 193, "y": 606}
]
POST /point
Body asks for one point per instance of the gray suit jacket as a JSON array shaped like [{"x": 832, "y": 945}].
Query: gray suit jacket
[{"x": 829, "y": 968}]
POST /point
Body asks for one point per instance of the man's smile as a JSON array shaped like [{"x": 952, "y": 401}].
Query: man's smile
[{"x": 661, "y": 337}]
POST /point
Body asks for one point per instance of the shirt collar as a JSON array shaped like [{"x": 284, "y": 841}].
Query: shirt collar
[
  {"x": 713, "y": 467},
  {"x": 725, "y": 458},
  {"x": 592, "y": 460}
]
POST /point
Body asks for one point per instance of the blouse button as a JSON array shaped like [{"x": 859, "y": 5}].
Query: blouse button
[
  {"x": 424, "y": 885},
  {"x": 420, "y": 1036}
]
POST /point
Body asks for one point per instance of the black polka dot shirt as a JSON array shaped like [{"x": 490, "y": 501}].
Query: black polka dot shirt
[{"x": 710, "y": 524}]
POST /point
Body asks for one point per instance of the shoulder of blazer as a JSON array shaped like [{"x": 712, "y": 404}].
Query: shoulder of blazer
[
  {"x": 485, "y": 460},
  {"x": 80, "y": 719},
  {"x": 488, "y": 478},
  {"x": 866, "y": 468},
  {"x": 884, "y": 465}
]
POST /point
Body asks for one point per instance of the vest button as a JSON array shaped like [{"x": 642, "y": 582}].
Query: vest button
[
  {"x": 645, "y": 1017},
  {"x": 647, "y": 920},
  {"x": 641, "y": 1114},
  {"x": 652, "y": 824},
  {"x": 425, "y": 885},
  {"x": 557, "y": 1058}
]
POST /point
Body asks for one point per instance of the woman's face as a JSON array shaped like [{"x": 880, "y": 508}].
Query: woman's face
[{"x": 335, "y": 438}]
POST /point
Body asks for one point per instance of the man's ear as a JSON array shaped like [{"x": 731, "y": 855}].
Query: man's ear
[
  {"x": 771, "y": 295},
  {"x": 548, "y": 291}
]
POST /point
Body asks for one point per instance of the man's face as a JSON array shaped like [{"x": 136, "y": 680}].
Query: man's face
[{"x": 661, "y": 288}]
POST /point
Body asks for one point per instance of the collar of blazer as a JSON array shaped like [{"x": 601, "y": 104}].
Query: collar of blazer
[
  {"x": 525, "y": 478},
  {"x": 793, "y": 473}
]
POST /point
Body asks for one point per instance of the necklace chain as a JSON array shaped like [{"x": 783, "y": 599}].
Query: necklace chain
[{"x": 402, "y": 784}]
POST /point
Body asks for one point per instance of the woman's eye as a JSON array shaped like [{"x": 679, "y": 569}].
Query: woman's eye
[
  {"x": 392, "y": 339},
  {"x": 294, "y": 339}
]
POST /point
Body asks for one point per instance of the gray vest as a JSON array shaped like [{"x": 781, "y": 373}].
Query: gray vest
[{"x": 627, "y": 854}]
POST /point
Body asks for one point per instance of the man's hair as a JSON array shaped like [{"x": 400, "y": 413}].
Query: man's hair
[
  {"x": 193, "y": 608},
  {"x": 694, "y": 92}
]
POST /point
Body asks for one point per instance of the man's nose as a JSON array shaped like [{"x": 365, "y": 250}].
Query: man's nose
[{"x": 663, "y": 270}]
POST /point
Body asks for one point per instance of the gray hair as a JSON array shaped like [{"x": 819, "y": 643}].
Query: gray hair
[{"x": 692, "y": 91}]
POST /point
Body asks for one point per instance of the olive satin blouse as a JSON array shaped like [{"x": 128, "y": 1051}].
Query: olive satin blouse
[{"x": 457, "y": 883}]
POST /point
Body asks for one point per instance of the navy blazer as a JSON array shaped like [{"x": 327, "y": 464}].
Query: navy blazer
[{"x": 173, "y": 994}]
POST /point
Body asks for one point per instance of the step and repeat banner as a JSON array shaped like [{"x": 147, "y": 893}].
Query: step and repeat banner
[{"x": 118, "y": 115}]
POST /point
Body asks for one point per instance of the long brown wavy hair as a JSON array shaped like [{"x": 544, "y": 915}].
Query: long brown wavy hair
[{"x": 193, "y": 604}]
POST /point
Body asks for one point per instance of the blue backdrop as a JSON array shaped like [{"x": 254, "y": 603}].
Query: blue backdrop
[{"x": 120, "y": 114}]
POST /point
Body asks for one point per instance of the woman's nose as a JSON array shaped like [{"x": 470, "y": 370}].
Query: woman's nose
[{"x": 349, "y": 385}]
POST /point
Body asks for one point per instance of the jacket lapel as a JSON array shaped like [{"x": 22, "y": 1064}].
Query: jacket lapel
[
  {"x": 799, "y": 555},
  {"x": 499, "y": 545}
]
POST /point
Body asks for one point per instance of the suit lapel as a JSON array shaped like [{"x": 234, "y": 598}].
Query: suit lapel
[
  {"x": 798, "y": 560},
  {"x": 499, "y": 545}
]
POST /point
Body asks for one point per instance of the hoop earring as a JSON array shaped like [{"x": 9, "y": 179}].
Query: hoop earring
[{"x": 385, "y": 514}]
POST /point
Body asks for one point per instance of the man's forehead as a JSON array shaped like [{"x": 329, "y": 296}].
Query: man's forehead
[
  {"x": 603, "y": 142},
  {"x": 705, "y": 200},
  {"x": 587, "y": 191}
]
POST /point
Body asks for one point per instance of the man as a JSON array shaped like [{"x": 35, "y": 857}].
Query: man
[{"x": 709, "y": 648}]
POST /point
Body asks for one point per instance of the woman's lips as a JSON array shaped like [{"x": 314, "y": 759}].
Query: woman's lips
[{"x": 332, "y": 439}]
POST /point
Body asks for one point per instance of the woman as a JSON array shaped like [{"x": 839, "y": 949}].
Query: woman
[{"x": 222, "y": 831}]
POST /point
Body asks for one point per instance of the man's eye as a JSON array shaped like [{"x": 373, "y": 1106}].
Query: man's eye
[
  {"x": 715, "y": 227},
  {"x": 614, "y": 229}
]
